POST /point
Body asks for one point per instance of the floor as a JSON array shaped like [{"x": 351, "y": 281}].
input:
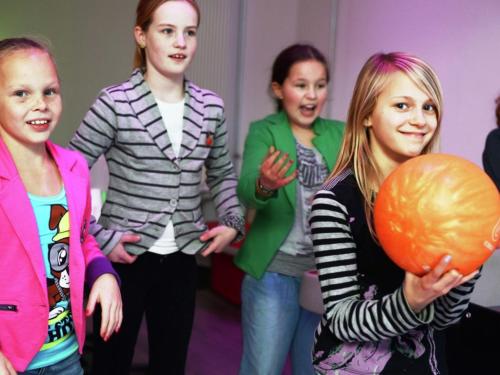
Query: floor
[{"x": 215, "y": 347}]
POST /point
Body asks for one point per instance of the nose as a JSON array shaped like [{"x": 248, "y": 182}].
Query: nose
[
  {"x": 40, "y": 103},
  {"x": 311, "y": 93},
  {"x": 180, "y": 40},
  {"x": 418, "y": 118}
]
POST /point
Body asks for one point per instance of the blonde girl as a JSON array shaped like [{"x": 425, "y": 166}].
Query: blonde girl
[
  {"x": 47, "y": 252},
  {"x": 379, "y": 319}
]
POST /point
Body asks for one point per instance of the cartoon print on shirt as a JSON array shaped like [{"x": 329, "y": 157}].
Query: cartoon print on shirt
[{"x": 58, "y": 256}]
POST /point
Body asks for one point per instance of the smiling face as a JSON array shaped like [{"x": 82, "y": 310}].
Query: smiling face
[
  {"x": 30, "y": 101},
  {"x": 402, "y": 123},
  {"x": 170, "y": 40},
  {"x": 303, "y": 92}
]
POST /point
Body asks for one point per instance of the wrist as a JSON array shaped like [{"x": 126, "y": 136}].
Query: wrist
[
  {"x": 415, "y": 304},
  {"x": 235, "y": 222},
  {"x": 263, "y": 190}
]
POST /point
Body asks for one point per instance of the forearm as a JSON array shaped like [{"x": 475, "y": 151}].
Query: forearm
[
  {"x": 256, "y": 149},
  {"x": 106, "y": 238},
  {"x": 222, "y": 182},
  {"x": 450, "y": 307},
  {"x": 349, "y": 317}
]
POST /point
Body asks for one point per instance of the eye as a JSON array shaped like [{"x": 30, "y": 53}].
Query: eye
[
  {"x": 21, "y": 93},
  {"x": 300, "y": 85},
  {"x": 401, "y": 106},
  {"x": 168, "y": 31},
  {"x": 191, "y": 33},
  {"x": 321, "y": 85},
  {"x": 51, "y": 91},
  {"x": 429, "y": 107}
]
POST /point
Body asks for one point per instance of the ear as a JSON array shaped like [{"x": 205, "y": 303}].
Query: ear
[
  {"x": 140, "y": 36},
  {"x": 276, "y": 87},
  {"x": 367, "y": 122}
]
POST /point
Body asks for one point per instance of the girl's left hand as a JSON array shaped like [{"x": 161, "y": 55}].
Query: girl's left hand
[
  {"x": 421, "y": 291},
  {"x": 221, "y": 236},
  {"x": 106, "y": 292}
]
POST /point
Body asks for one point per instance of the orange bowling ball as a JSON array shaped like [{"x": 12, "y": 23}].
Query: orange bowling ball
[{"x": 438, "y": 204}]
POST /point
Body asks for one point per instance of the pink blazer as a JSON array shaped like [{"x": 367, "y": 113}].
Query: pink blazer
[{"x": 24, "y": 306}]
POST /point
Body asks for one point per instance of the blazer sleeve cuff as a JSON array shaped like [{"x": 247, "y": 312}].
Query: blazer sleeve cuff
[
  {"x": 98, "y": 267},
  {"x": 235, "y": 222}
]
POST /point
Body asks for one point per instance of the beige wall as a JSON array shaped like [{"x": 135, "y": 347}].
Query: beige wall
[
  {"x": 91, "y": 40},
  {"x": 93, "y": 44}
]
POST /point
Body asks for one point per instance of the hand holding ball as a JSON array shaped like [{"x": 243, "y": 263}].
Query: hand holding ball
[{"x": 434, "y": 205}]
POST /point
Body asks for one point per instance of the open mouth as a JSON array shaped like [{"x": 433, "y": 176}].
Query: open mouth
[
  {"x": 416, "y": 135},
  {"x": 178, "y": 56},
  {"x": 308, "y": 109},
  {"x": 38, "y": 124}
]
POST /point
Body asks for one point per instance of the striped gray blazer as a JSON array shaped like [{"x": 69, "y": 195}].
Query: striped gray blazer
[{"x": 148, "y": 185}]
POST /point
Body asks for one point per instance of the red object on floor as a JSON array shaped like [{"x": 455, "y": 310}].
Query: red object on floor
[{"x": 226, "y": 278}]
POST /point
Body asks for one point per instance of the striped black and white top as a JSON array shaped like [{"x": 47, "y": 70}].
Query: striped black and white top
[
  {"x": 148, "y": 184},
  {"x": 368, "y": 327}
]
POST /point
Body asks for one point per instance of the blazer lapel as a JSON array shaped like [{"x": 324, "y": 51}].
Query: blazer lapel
[
  {"x": 324, "y": 145},
  {"x": 193, "y": 119},
  {"x": 148, "y": 113},
  {"x": 285, "y": 142},
  {"x": 17, "y": 208},
  {"x": 75, "y": 186}
]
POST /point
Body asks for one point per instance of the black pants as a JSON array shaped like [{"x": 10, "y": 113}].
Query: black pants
[{"x": 162, "y": 287}]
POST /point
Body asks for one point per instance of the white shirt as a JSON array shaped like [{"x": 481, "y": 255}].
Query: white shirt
[{"x": 172, "y": 115}]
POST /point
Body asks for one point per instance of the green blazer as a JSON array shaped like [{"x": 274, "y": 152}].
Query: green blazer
[{"x": 275, "y": 216}]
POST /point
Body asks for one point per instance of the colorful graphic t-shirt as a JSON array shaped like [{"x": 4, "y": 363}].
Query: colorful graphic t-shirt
[{"x": 52, "y": 217}]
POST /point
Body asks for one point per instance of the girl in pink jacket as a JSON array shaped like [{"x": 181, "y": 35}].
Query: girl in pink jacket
[{"x": 46, "y": 252}]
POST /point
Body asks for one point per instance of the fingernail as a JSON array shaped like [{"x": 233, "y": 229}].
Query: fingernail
[
  {"x": 426, "y": 268},
  {"x": 447, "y": 259}
]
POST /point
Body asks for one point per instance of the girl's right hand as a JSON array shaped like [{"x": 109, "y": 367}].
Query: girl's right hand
[
  {"x": 421, "y": 291},
  {"x": 119, "y": 254},
  {"x": 5, "y": 366},
  {"x": 274, "y": 168}
]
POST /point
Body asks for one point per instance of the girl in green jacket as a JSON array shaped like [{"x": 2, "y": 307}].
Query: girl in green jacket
[{"x": 287, "y": 156}]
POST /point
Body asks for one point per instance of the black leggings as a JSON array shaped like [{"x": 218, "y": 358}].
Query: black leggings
[{"x": 164, "y": 288}]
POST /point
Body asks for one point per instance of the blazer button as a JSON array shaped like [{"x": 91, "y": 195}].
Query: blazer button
[
  {"x": 173, "y": 202},
  {"x": 125, "y": 221}
]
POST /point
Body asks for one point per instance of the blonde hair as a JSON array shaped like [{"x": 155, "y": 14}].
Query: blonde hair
[
  {"x": 10, "y": 45},
  {"x": 144, "y": 16},
  {"x": 355, "y": 152}
]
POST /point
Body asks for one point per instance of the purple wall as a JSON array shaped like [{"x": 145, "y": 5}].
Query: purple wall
[{"x": 459, "y": 38}]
